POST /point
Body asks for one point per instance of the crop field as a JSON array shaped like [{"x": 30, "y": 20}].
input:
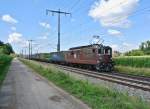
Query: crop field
[
  {"x": 4, "y": 65},
  {"x": 133, "y": 61},
  {"x": 133, "y": 65}
]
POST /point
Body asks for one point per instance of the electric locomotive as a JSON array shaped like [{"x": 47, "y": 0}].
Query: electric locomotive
[{"x": 95, "y": 56}]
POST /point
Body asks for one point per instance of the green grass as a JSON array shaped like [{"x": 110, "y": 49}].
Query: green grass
[
  {"x": 97, "y": 97},
  {"x": 4, "y": 65},
  {"x": 133, "y": 61}
]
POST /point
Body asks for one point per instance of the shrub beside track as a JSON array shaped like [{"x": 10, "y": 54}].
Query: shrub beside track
[{"x": 5, "y": 61}]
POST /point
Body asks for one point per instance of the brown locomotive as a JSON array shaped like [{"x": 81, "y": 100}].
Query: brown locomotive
[{"x": 95, "y": 56}]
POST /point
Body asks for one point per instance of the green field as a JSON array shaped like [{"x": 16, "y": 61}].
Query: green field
[
  {"x": 133, "y": 61},
  {"x": 4, "y": 65},
  {"x": 97, "y": 97},
  {"x": 134, "y": 65}
]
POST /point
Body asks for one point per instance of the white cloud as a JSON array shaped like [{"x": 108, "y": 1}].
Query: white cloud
[
  {"x": 17, "y": 38},
  {"x": 114, "y": 32},
  {"x": 13, "y": 28},
  {"x": 24, "y": 43},
  {"x": 115, "y": 47},
  {"x": 113, "y": 13},
  {"x": 43, "y": 37},
  {"x": 123, "y": 47},
  {"x": 7, "y": 18},
  {"x": 127, "y": 46},
  {"x": 45, "y": 25}
]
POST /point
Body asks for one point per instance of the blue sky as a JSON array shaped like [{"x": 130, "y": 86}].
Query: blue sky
[{"x": 123, "y": 24}]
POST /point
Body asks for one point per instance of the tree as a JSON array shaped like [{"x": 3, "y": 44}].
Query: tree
[
  {"x": 142, "y": 46},
  {"x": 8, "y": 49},
  {"x": 145, "y": 47},
  {"x": 148, "y": 45},
  {"x": 5, "y": 48},
  {"x": 1, "y": 43}
]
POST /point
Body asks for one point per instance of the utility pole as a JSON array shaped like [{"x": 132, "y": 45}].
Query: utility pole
[
  {"x": 25, "y": 53},
  {"x": 30, "y": 48},
  {"x": 22, "y": 53},
  {"x": 59, "y": 13}
]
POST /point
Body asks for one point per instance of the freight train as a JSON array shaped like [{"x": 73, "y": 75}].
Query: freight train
[{"x": 96, "y": 56}]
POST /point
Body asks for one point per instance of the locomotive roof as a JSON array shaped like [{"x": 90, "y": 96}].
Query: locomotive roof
[{"x": 84, "y": 46}]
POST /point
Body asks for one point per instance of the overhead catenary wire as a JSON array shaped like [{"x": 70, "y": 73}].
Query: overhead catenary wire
[
  {"x": 75, "y": 4},
  {"x": 83, "y": 24},
  {"x": 136, "y": 13},
  {"x": 120, "y": 3},
  {"x": 131, "y": 14},
  {"x": 64, "y": 5},
  {"x": 113, "y": 19}
]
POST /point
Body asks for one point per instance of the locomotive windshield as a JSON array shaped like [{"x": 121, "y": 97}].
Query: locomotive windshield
[
  {"x": 105, "y": 50},
  {"x": 108, "y": 51},
  {"x": 101, "y": 51}
]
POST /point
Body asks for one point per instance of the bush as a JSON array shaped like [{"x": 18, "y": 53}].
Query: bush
[
  {"x": 4, "y": 64},
  {"x": 134, "y": 53}
]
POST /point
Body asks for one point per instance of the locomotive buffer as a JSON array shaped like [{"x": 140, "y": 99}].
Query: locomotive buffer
[{"x": 59, "y": 13}]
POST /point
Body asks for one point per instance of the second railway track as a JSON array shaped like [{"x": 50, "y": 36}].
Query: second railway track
[{"x": 126, "y": 80}]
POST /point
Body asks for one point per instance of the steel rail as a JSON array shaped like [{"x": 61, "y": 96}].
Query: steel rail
[
  {"x": 119, "y": 79},
  {"x": 112, "y": 76},
  {"x": 114, "y": 80}
]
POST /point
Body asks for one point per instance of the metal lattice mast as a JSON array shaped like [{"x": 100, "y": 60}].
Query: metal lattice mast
[{"x": 59, "y": 13}]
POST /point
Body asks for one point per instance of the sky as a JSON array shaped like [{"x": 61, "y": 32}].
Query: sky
[{"x": 121, "y": 24}]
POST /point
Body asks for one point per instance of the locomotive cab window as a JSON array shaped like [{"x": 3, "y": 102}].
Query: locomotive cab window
[
  {"x": 94, "y": 50},
  {"x": 107, "y": 51},
  {"x": 72, "y": 53},
  {"x": 100, "y": 51}
]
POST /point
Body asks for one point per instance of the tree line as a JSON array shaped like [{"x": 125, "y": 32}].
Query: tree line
[
  {"x": 144, "y": 49},
  {"x": 6, "y": 48}
]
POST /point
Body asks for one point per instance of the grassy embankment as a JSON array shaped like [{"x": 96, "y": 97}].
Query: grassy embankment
[
  {"x": 97, "y": 97},
  {"x": 5, "y": 61},
  {"x": 134, "y": 65}
]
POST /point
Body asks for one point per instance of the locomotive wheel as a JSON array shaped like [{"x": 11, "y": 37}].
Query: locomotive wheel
[
  {"x": 108, "y": 68},
  {"x": 97, "y": 67}
]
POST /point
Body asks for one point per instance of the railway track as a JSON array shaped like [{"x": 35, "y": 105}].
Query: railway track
[
  {"x": 123, "y": 79},
  {"x": 133, "y": 76}
]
